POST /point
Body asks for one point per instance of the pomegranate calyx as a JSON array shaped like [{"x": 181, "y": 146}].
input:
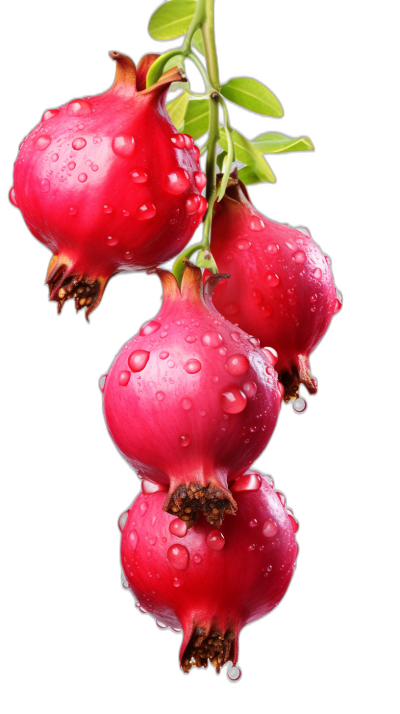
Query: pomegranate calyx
[
  {"x": 166, "y": 79},
  {"x": 208, "y": 643},
  {"x": 125, "y": 75},
  {"x": 65, "y": 284},
  {"x": 301, "y": 375},
  {"x": 187, "y": 499}
]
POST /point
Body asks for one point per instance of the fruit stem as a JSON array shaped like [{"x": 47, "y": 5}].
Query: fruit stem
[{"x": 197, "y": 22}]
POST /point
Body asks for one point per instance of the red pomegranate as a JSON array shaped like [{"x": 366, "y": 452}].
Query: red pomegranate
[
  {"x": 108, "y": 184},
  {"x": 280, "y": 288},
  {"x": 210, "y": 582},
  {"x": 191, "y": 401}
]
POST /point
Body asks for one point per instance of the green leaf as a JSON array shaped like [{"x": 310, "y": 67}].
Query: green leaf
[
  {"x": 177, "y": 109},
  {"x": 220, "y": 159},
  {"x": 171, "y": 19},
  {"x": 247, "y": 154},
  {"x": 250, "y": 94},
  {"x": 206, "y": 261},
  {"x": 198, "y": 42},
  {"x": 271, "y": 143},
  {"x": 175, "y": 61},
  {"x": 248, "y": 176},
  {"x": 157, "y": 68},
  {"x": 197, "y": 117}
]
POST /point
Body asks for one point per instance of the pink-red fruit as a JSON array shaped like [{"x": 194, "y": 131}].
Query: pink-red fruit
[
  {"x": 108, "y": 184},
  {"x": 191, "y": 401},
  {"x": 210, "y": 583},
  {"x": 280, "y": 288}
]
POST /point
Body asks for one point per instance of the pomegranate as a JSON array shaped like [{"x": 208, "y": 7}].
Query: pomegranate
[
  {"x": 108, "y": 184},
  {"x": 280, "y": 289},
  {"x": 191, "y": 401},
  {"x": 210, "y": 582}
]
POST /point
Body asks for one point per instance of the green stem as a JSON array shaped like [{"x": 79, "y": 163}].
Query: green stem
[{"x": 197, "y": 21}]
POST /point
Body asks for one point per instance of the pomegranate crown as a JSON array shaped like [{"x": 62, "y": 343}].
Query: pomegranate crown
[{"x": 130, "y": 80}]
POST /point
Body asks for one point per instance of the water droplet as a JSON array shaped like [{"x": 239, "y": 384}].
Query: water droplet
[
  {"x": 271, "y": 355},
  {"x": 233, "y": 400},
  {"x": 102, "y": 382},
  {"x": 160, "y": 396},
  {"x": 94, "y": 167},
  {"x": 192, "y": 366},
  {"x": 196, "y": 153},
  {"x": 184, "y": 440},
  {"x": 122, "y": 520},
  {"x": 232, "y": 308},
  {"x": 163, "y": 355},
  {"x": 236, "y": 337},
  {"x": 177, "y": 182},
  {"x": 188, "y": 141},
  {"x": 234, "y": 673},
  {"x": 269, "y": 529},
  {"x": 251, "y": 547},
  {"x": 314, "y": 297},
  {"x": 256, "y": 224},
  {"x": 317, "y": 274},
  {"x": 299, "y": 405},
  {"x": 214, "y": 379},
  {"x": 178, "y": 141},
  {"x": 243, "y": 245},
  {"x": 272, "y": 248},
  {"x": 138, "y": 176},
  {"x": 82, "y": 178},
  {"x": 44, "y": 185},
  {"x": 237, "y": 365},
  {"x": 292, "y": 520},
  {"x": 112, "y": 241},
  {"x": 54, "y": 157},
  {"x": 250, "y": 389},
  {"x": 79, "y": 143},
  {"x": 123, "y": 145},
  {"x": 339, "y": 301},
  {"x": 146, "y": 211},
  {"x": 186, "y": 404},
  {"x": 176, "y": 583},
  {"x": 79, "y": 108},
  {"x": 50, "y": 114},
  {"x": 161, "y": 625},
  {"x": 203, "y": 413},
  {"x": 292, "y": 301},
  {"x": 97, "y": 140},
  {"x": 88, "y": 163},
  {"x": 211, "y": 339},
  {"x": 12, "y": 198},
  {"x": 42, "y": 142},
  {"x": 71, "y": 165},
  {"x": 190, "y": 339},
  {"x": 266, "y": 312},
  {"x": 138, "y": 359},
  {"x": 215, "y": 540},
  {"x": 248, "y": 482},
  {"x": 192, "y": 204},
  {"x": 200, "y": 180},
  {"x": 133, "y": 540},
  {"x": 253, "y": 523},
  {"x": 170, "y": 363},
  {"x": 222, "y": 351},
  {"x": 178, "y": 528},
  {"x": 299, "y": 256},
  {"x": 178, "y": 556},
  {"x": 290, "y": 245},
  {"x": 149, "y": 329},
  {"x": 124, "y": 378},
  {"x": 272, "y": 280}
]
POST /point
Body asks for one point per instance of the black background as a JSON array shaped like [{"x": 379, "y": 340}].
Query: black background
[{"x": 74, "y": 627}]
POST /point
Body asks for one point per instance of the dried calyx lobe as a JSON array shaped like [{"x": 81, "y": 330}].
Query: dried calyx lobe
[
  {"x": 210, "y": 582},
  {"x": 281, "y": 288},
  {"x": 191, "y": 401},
  {"x": 109, "y": 185}
]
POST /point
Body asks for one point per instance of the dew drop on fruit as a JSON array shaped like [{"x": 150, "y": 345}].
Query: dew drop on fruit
[
  {"x": 71, "y": 165},
  {"x": 133, "y": 540},
  {"x": 248, "y": 482},
  {"x": 170, "y": 363},
  {"x": 237, "y": 365},
  {"x": 79, "y": 143},
  {"x": 290, "y": 245},
  {"x": 178, "y": 557},
  {"x": 122, "y": 520},
  {"x": 243, "y": 245},
  {"x": 236, "y": 337},
  {"x": 79, "y": 108},
  {"x": 196, "y": 152},
  {"x": 94, "y": 167},
  {"x": 186, "y": 404},
  {"x": 150, "y": 487},
  {"x": 251, "y": 547},
  {"x": 82, "y": 178},
  {"x": 299, "y": 256},
  {"x": 190, "y": 339},
  {"x": 138, "y": 176},
  {"x": 160, "y": 396},
  {"x": 222, "y": 351},
  {"x": 44, "y": 185},
  {"x": 149, "y": 329},
  {"x": 253, "y": 523},
  {"x": 197, "y": 559},
  {"x": 192, "y": 366},
  {"x": 42, "y": 142},
  {"x": 271, "y": 355},
  {"x": 272, "y": 280},
  {"x": 161, "y": 625},
  {"x": 269, "y": 529},
  {"x": 317, "y": 274},
  {"x": 125, "y": 214},
  {"x": 178, "y": 141},
  {"x": 250, "y": 389},
  {"x": 102, "y": 382},
  {"x": 211, "y": 339},
  {"x": 124, "y": 378},
  {"x": 233, "y": 400},
  {"x": 54, "y": 157},
  {"x": 254, "y": 341},
  {"x": 12, "y": 198},
  {"x": 146, "y": 211},
  {"x": 177, "y": 182},
  {"x": 192, "y": 204},
  {"x": 188, "y": 141},
  {"x": 184, "y": 440},
  {"x": 234, "y": 674},
  {"x": 123, "y": 145},
  {"x": 256, "y": 224},
  {"x": 339, "y": 301},
  {"x": 215, "y": 540},
  {"x": 200, "y": 180},
  {"x": 178, "y": 528},
  {"x": 281, "y": 389},
  {"x": 232, "y": 308},
  {"x": 49, "y": 114},
  {"x": 138, "y": 359},
  {"x": 272, "y": 248},
  {"x": 299, "y": 405},
  {"x": 163, "y": 355}
]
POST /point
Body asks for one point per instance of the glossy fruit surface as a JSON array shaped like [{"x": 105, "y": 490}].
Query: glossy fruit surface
[
  {"x": 210, "y": 582},
  {"x": 108, "y": 184},
  {"x": 280, "y": 289},
  {"x": 191, "y": 401}
]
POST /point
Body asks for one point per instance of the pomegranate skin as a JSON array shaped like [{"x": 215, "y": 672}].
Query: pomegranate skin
[
  {"x": 104, "y": 182},
  {"x": 281, "y": 288},
  {"x": 210, "y": 593},
  {"x": 192, "y": 417}
]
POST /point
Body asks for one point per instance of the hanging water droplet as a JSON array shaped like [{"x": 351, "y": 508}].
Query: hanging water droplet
[
  {"x": 122, "y": 520},
  {"x": 200, "y": 180},
  {"x": 271, "y": 355},
  {"x": 248, "y": 482},
  {"x": 12, "y": 197},
  {"x": 339, "y": 301},
  {"x": 49, "y": 114},
  {"x": 192, "y": 204},
  {"x": 299, "y": 405},
  {"x": 234, "y": 674},
  {"x": 102, "y": 382}
]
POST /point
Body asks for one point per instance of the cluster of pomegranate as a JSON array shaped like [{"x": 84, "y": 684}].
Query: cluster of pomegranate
[{"x": 109, "y": 185}]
